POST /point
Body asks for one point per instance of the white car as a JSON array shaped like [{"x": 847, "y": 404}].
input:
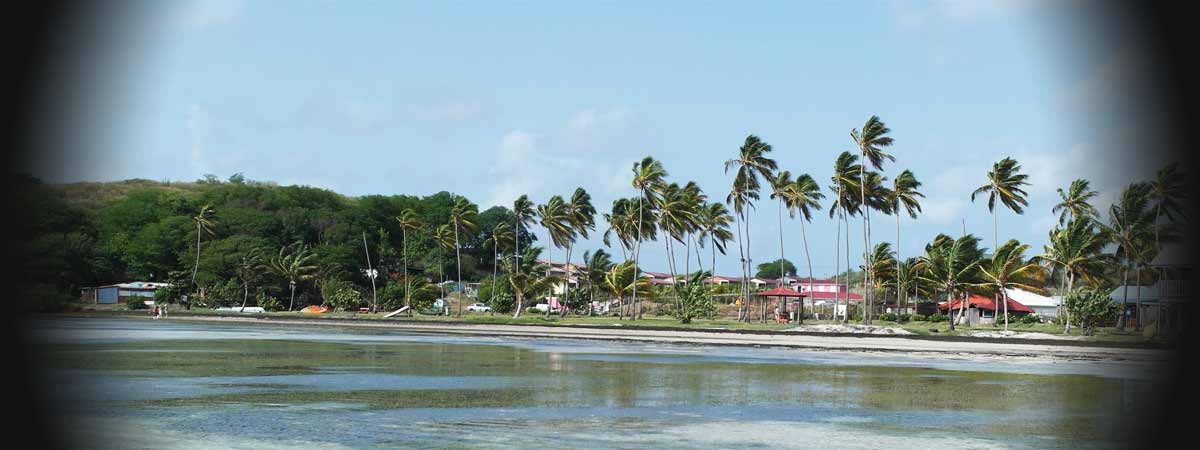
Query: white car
[
  {"x": 479, "y": 307},
  {"x": 541, "y": 307}
]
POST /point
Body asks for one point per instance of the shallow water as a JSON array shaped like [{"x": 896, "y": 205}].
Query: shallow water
[{"x": 256, "y": 386}]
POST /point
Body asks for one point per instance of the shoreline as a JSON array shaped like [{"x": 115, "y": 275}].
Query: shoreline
[{"x": 948, "y": 346}]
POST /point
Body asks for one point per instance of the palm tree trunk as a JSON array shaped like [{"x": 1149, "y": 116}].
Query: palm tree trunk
[
  {"x": 637, "y": 250},
  {"x": 1138, "y": 306},
  {"x": 862, "y": 188},
  {"x": 458, "y": 268},
  {"x": 562, "y": 307},
  {"x": 782, "y": 272},
  {"x": 370, "y": 273},
  {"x": 292, "y": 299},
  {"x": 899, "y": 292},
  {"x": 1004, "y": 296},
  {"x": 245, "y": 296},
  {"x": 837, "y": 266},
  {"x": 742, "y": 267},
  {"x": 846, "y": 219},
  {"x": 1124, "y": 296},
  {"x": 407, "y": 285},
  {"x": 807, "y": 258}
]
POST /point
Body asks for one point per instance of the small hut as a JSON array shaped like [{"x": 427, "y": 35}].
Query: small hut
[{"x": 782, "y": 294}]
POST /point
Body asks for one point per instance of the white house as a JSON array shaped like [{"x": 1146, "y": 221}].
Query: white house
[{"x": 1042, "y": 305}]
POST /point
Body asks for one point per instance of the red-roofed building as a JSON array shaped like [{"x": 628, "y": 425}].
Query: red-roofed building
[{"x": 981, "y": 310}]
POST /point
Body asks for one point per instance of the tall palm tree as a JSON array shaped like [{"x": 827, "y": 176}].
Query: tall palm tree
[
  {"x": 674, "y": 216},
  {"x": 523, "y": 216},
  {"x": 1131, "y": 228},
  {"x": 846, "y": 178},
  {"x": 204, "y": 225},
  {"x": 556, "y": 218},
  {"x": 870, "y": 142},
  {"x": 878, "y": 198},
  {"x": 952, "y": 264},
  {"x": 581, "y": 216},
  {"x": 444, "y": 237},
  {"x": 779, "y": 183},
  {"x": 597, "y": 265},
  {"x": 714, "y": 221},
  {"x": 752, "y": 162},
  {"x": 464, "y": 218},
  {"x": 248, "y": 269},
  {"x": 408, "y": 221},
  {"x": 804, "y": 196},
  {"x": 1077, "y": 250},
  {"x": 1007, "y": 269},
  {"x": 292, "y": 264},
  {"x": 622, "y": 224},
  {"x": 1004, "y": 184},
  {"x": 648, "y": 175},
  {"x": 622, "y": 280},
  {"x": 694, "y": 201},
  {"x": 1075, "y": 203},
  {"x": 881, "y": 265},
  {"x": 903, "y": 196},
  {"x": 1167, "y": 193},
  {"x": 500, "y": 237}
]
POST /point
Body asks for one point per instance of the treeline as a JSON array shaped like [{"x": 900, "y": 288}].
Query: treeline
[{"x": 89, "y": 234}]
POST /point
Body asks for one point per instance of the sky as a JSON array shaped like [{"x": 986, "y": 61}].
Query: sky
[{"x": 492, "y": 100}]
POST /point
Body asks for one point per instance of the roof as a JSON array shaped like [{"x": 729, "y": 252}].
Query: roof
[
  {"x": 780, "y": 292},
  {"x": 982, "y": 302},
  {"x": 716, "y": 278},
  {"x": 1162, "y": 290},
  {"x": 138, "y": 285},
  {"x": 805, "y": 280},
  {"x": 823, "y": 295},
  {"x": 656, "y": 274},
  {"x": 1030, "y": 299}
]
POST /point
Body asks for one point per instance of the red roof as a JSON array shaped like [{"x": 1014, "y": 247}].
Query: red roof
[
  {"x": 780, "y": 292},
  {"x": 824, "y": 295},
  {"x": 982, "y": 302}
]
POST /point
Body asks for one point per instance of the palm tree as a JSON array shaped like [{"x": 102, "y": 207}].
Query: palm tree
[
  {"x": 694, "y": 201},
  {"x": 952, "y": 264},
  {"x": 597, "y": 265},
  {"x": 292, "y": 264},
  {"x": 622, "y": 224},
  {"x": 1004, "y": 184},
  {"x": 622, "y": 280},
  {"x": 1131, "y": 228},
  {"x": 1076, "y": 249},
  {"x": 714, "y": 221},
  {"x": 204, "y": 225},
  {"x": 904, "y": 195},
  {"x": 444, "y": 237},
  {"x": 522, "y": 282},
  {"x": 556, "y": 219},
  {"x": 878, "y": 198},
  {"x": 870, "y": 143},
  {"x": 1167, "y": 193},
  {"x": 1007, "y": 269},
  {"x": 408, "y": 221},
  {"x": 752, "y": 161},
  {"x": 674, "y": 216},
  {"x": 523, "y": 215},
  {"x": 464, "y": 217},
  {"x": 248, "y": 269},
  {"x": 881, "y": 266},
  {"x": 803, "y": 196},
  {"x": 581, "y": 216},
  {"x": 648, "y": 175},
  {"x": 501, "y": 236},
  {"x": 846, "y": 177},
  {"x": 779, "y": 183},
  {"x": 1075, "y": 201}
]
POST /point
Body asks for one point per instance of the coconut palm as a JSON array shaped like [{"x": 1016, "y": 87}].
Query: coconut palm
[
  {"x": 881, "y": 266},
  {"x": 597, "y": 265},
  {"x": 870, "y": 142},
  {"x": 694, "y": 200},
  {"x": 1075, "y": 202},
  {"x": 1076, "y": 249},
  {"x": 752, "y": 162},
  {"x": 555, "y": 217},
  {"x": 464, "y": 218},
  {"x": 248, "y": 269},
  {"x": 674, "y": 219},
  {"x": 622, "y": 223},
  {"x": 622, "y": 280},
  {"x": 1131, "y": 228},
  {"x": 408, "y": 222},
  {"x": 204, "y": 225},
  {"x": 500, "y": 237},
  {"x": 951, "y": 265},
  {"x": 1004, "y": 184},
  {"x": 523, "y": 216},
  {"x": 1007, "y": 269},
  {"x": 523, "y": 282},
  {"x": 648, "y": 175},
  {"x": 779, "y": 183},
  {"x": 444, "y": 237},
  {"x": 846, "y": 179},
  {"x": 903, "y": 197},
  {"x": 1167, "y": 194},
  {"x": 714, "y": 221},
  {"x": 581, "y": 216},
  {"x": 877, "y": 198},
  {"x": 292, "y": 264},
  {"x": 803, "y": 196}
]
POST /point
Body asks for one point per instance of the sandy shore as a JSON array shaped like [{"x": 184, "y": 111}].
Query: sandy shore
[{"x": 864, "y": 343}]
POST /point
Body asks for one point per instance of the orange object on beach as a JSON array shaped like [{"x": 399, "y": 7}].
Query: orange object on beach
[{"x": 314, "y": 309}]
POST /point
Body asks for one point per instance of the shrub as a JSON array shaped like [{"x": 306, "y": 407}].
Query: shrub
[
  {"x": 136, "y": 303},
  {"x": 340, "y": 294},
  {"x": 694, "y": 301},
  {"x": 391, "y": 296},
  {"x": 1091, "y": 308},
  {"x": 937, "y": 317},
  {"x": 1030, "y": 319},
  {"x": 903, "y": 317},
  {"x": 857, "y": 317},
  {"x": 228, "y": 293},
  {"x": 889, "y": 317},
  {"x": 919, "y": 318},
  {"x": 531, "y": 310},
  {"x": 266, "y": 302},
  {"x": 502, "y": 302}
]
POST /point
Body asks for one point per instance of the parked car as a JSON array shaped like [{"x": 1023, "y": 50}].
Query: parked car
[
  {"x": 479, "y": 307},
  {"x": 542, "y": 307}
]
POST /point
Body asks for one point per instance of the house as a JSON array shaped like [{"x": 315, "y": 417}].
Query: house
[
  {"x": 560, "y": 269},
  {"x": 981, "y": 310},
  {"x": 718, "y": 279},
  {"x": 1040, "y": 304},
  {"x": 659, "y": 278},
  {"x": 117, "y": 293},
  {"x": 1164, "y": 300}
]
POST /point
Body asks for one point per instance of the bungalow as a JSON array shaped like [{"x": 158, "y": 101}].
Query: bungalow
[
  {"x": 117, "y": 293},
  {"x": 658, "y": 278},
  {"x": 560, "y": 270},
  {"x": 1040, "y": 304},
  {"x": 1165, "y": 299},
  {"x": 981, "y": 310}
]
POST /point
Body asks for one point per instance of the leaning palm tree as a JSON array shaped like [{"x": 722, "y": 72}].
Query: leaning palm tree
[
  {"x": 556, "y": 219},
  {"x": 752, "y": 162},
  {"x": 1077, "y": 250},
  {"x": 464, "y": 217},
  {"x": 904, "y": 195},
  {"x": 870, "y": 142},
  {"x": 523, "y": 215},
  {"x": 292, "y": 264},
  {"x": 248, "y": 269},
  {"x": 581, "y": 216},
  {"x": 1131, "y": 228},
  {"x": 622, "y": 280},
  {"x": 694, "y": 200},
  {"x": 804, "y": 196},
  {"x": 951, "y": 265},
  {"x": 523, "y": 282},
  {"x": 204, "y": 225},
  {"x": 846, "y": 179},
  {"x": 1167, "y": 193},
  {"x": 1007, "y": 269},
  {"x": 408, "y": 221},
  {"x": 881, "y": 266},
  {"x": 714, "y": 221},
  {"x": 648, "y": 175},
  {"x": 597, "y": 264},
  {"x": 500, "y": 237},
  {"x": 622, "y": 224},
  {"x": 1075, "y": 202}
]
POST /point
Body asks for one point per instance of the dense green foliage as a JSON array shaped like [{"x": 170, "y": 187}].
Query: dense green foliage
[{"x": 771, "y": 269}]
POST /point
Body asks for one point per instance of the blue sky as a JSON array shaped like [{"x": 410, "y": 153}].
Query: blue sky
[{"x": 496, "y": 99}]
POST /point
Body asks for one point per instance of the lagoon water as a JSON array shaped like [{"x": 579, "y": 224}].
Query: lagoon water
[{"x": 139, "y": 383}]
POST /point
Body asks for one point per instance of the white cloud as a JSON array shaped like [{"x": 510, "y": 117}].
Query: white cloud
[
  {"x": 200, "y": 14},
  {"x": 910, "y": 15},
  {"x": 199, "y": 127}
]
